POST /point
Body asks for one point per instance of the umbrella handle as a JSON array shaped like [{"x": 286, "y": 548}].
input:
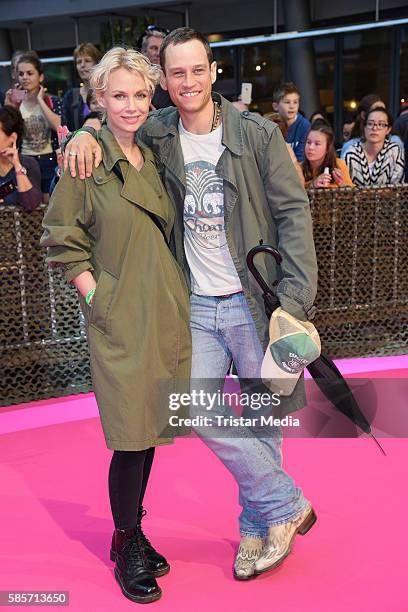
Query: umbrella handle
[{"x": 262, "y": 248}]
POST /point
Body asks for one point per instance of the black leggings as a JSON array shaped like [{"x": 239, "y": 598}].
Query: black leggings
[{"x": 128, "y": 476}]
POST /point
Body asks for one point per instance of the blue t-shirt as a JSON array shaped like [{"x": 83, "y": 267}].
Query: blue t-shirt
[{"x": 297, "y": 136}]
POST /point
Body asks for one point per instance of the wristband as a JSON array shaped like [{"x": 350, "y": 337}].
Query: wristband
[
  {"x": 89, "y": 296},
  {"x": 77, "y": 132},
  {"x": 88, "y": 129}
]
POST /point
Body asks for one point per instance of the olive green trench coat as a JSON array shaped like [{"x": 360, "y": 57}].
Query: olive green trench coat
[{"x": 138, "y": 325}]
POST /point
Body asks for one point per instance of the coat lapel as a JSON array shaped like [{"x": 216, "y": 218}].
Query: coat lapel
[
  {"x": 164, "y": 140},
  {"x": 144, "y": 188}
]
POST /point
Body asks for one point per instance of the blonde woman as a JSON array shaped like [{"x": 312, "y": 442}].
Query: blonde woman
[{"x": 109, "y": 232}]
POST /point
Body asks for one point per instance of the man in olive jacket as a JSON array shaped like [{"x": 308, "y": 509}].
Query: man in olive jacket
[{"x": 233, "y": 184}]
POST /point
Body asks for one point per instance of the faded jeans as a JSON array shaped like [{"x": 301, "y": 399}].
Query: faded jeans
[{"x": 223, "y": 331}]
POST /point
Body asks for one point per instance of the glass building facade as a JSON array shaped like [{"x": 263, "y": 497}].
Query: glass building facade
[
  {"x": 349, "y": 62},
  {"x": 348, "y": 66}
]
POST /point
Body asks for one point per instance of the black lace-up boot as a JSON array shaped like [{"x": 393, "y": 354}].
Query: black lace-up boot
[
  {"x": 155, "y": 562},
  {"x": 135, "y": 580}
]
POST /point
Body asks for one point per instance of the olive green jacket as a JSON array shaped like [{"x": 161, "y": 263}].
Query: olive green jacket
[
  {"x": 138, "y": 326},
  {"x": 264, "y": 200}
]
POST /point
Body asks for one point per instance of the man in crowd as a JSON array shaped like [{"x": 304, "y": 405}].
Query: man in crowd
[
  {"x": 151, "y": 43},
  {"x": 233, "y": 183}
]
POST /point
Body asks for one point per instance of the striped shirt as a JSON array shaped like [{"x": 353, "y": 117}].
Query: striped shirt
[{"x": 387, "y": 169}]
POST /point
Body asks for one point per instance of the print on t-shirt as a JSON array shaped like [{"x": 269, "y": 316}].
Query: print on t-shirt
[
  {"x": 204, "y": 205},
  {"x": 212, "y": 270}
]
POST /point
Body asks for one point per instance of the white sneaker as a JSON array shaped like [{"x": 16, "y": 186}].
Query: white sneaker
[
  {"x": 250, "y": 549},
  {"x": 280, "y": 540}
]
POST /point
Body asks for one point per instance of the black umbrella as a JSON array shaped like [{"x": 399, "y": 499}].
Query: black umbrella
[{"x": 324, "y": 371}]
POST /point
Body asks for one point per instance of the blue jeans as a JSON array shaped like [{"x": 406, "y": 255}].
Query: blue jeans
[{"x": 223, "y": 330}]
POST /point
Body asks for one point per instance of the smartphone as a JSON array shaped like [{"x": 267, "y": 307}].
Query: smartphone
[
  {"x": 246, "y": 93},
  {"x": 6, "y": 189},
  {"x": 62, "y": 132},
  {"x": 18, "y": 95}
]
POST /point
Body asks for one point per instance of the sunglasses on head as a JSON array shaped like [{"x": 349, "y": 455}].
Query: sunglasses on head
[
  {"x": 148, "y": 30},
  {"x": 154, "y": 28}
]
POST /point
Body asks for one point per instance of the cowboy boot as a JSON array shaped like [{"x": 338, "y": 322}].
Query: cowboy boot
[
  {"x": 155, "y": 562},
  {"x": 280, "y": 540},
  {"x": 135, "y": 580},
  {"x": 250, "y": 549}
]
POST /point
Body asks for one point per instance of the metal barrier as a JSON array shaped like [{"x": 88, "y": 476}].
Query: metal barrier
[
  {"x": 361, "y": 238},
  {"x": 43, "y": 349}
]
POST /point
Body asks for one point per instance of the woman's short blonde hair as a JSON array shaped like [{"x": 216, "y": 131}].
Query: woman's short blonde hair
[{"x": 131, "y": 60}]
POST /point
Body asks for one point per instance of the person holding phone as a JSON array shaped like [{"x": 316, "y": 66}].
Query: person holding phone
[
  {"x": 42, "y": 116},
  {"x": 20, "y": 178},
  {"x": 15, "y": 96}
]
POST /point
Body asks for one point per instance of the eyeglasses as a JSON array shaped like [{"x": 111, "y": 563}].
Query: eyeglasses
[{"x": 380, "y": 125}]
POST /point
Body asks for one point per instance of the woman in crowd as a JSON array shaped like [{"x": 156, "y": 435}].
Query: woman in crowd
[
  {"x": 42, "y": 116},
  {"x": 86, "y": 55},
  {"x": 376, "y": 160},
  {"x": 109, "y": 233},
  {"x": 20, "y": 179},
  {"x": 357, "y": 133},
  {"x": 321, "y": 167}
]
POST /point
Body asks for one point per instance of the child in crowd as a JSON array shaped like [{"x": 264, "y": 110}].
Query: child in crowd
[
  {"x": 286, "y": 99},
  {"x": 321, "y": 167},
  {"x": 94, "y": 119}
]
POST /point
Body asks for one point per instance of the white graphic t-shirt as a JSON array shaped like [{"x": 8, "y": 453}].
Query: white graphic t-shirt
[
  {"x": 37, "y": 136},
  {"x": 212, "y": 269}
]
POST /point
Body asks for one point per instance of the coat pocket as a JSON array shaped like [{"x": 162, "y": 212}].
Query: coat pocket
[{"x": 102, "y": 301}]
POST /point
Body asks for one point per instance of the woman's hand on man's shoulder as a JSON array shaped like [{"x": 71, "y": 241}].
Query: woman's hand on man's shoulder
[{"x": 82, "y": 154}]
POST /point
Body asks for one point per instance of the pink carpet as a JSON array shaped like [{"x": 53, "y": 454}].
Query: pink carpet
[{"x": 56, "y": 525}]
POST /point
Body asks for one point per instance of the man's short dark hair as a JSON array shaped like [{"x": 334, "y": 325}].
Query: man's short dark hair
[{"x": 182, "y": 35}]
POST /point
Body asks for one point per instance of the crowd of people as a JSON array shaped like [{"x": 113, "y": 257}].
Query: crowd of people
[
  {"x": 373, "y": 151},
  {"x": 371, "y": 154}
]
